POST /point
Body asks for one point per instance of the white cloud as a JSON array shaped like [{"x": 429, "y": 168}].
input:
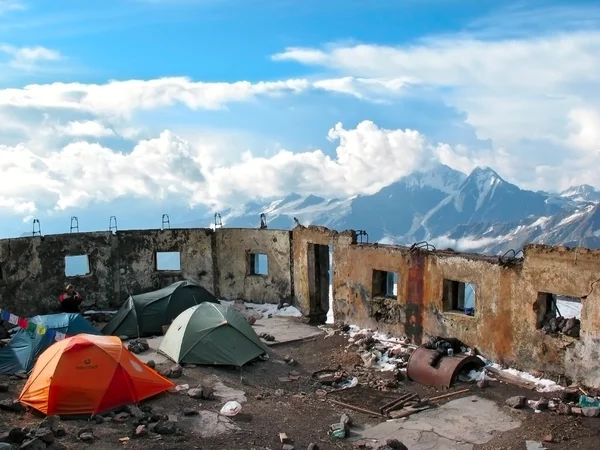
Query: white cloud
[
  {"x": 27, "y": 58},
  {"x": 368, "y": 158},
  {"x": 86, "y": 128},
  {"x": 513, "y": 91},
  {"x": 502, "y": 85},
  {"x": 124, "y": 97}
]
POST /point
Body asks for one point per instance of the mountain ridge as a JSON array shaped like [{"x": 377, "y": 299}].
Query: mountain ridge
[{"x": 480, "y": 212}]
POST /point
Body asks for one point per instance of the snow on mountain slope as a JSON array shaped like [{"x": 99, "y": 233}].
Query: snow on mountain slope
[
  {"x": 480, "y": 212},
  {"x": 582, "y": 193}
]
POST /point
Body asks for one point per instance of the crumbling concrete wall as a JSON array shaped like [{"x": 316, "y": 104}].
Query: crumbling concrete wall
[
  {"x": 137, "y": 252},
  {"x": 301, "y": 238},
  {"x": 504, "y": 325},
  {"x": 235, "y": 280},
  {"x": 34, "y": 271},
  {"x": 33, "y": 268},
  {"x": 571, "y": 272}
]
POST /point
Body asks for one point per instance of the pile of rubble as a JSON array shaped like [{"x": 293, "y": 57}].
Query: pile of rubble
[
  {"x": 42, "y": 437},
  {"x": 142, "y": 420},
  {"x": 570, "y": 402},
  {"x": 381, "y": 360},
  {"x": 555, "y": 325}
]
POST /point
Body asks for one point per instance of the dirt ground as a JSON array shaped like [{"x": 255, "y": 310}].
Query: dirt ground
[{"x": 295, "y": 408}]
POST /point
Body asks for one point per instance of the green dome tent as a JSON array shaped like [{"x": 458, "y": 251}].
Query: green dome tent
[
  {"x": 145, "y": 314},
  {"x": 211, "y": 334}
]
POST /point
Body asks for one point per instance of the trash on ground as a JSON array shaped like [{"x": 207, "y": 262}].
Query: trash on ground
[{"x": 231, "y": 409}]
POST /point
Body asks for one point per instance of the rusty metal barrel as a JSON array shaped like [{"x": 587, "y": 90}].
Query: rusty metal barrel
[{"x": 443, "y": 375}]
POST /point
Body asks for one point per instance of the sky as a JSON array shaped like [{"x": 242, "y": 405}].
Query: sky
[{"x": 135, "y": 108}]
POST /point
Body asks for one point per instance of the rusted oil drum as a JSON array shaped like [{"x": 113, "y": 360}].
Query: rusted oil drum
[{"x": 444, "y": 374}]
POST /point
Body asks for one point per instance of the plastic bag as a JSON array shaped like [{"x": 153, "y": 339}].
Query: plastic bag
[{"x": 231, "y": 408}]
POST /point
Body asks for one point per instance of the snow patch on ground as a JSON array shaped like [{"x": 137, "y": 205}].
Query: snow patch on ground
[
  {"x": 541, "y": 384},
  {"x": 268, "y": 309}
]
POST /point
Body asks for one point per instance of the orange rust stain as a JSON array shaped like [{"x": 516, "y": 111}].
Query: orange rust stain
[{"x": 499, "y": 329}]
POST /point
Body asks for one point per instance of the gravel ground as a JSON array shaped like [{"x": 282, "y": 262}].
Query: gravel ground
[{"x": 295, "y": 408}]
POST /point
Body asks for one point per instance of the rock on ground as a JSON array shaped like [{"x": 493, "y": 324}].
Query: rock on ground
[{"x": 516, "y": 402}]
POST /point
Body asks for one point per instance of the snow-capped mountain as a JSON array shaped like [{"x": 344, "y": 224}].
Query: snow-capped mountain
[{"x": 477, "y": 212}]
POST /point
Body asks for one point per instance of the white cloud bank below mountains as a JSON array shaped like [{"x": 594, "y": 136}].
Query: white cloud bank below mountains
[{"x": 367, "y": 159}]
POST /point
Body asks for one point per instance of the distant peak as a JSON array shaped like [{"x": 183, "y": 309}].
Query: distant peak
[
  {"x": 484, "y": 170},
  {"x": 580, "y": 189}
]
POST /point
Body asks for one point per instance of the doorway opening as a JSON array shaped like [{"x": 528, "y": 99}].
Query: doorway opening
[
  {"x": 319, "y": 281},
  {"x": 330, "y": 318}
]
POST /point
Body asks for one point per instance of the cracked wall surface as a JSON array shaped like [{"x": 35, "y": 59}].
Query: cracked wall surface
[
  {"x": 234, "y": 279},
  {"x": 123, "y": 263},
  {"x": 504, "y": 326}
]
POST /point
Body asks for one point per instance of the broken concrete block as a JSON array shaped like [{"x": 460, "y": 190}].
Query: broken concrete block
[
  {"x": 165, "y": 427},
  {"x": 86, "y": 437},
  {"x": 590, "y": 412},
  {"x": 45, "y": 435},
  {"x": 516, "y": 402},
  {"x": 564, "y": 409}
]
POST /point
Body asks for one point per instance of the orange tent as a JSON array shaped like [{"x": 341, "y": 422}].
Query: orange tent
[{"x": 87, "y": 374}]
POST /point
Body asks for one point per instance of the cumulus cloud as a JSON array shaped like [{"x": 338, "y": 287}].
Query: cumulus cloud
[
  {"x": 122, "y": 98},
  {"x": 367, "y": 158},
  {"x": 85, "y": 128},
  {"x": 516, "y": 92}
]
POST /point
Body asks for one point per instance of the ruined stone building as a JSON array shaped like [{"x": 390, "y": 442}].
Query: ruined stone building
[{"x": 406, "y": 291}]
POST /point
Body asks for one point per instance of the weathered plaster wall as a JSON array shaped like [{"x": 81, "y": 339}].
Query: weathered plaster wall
[
  {"x": 33, "y": 268},
  {"x": 572, "y": 272},
  {"x": 504, "y": 326},
  {"x": 301, "y": 237},
  {"x": 32, "y": 275},
  {"x": 234, "y": 280},
  {"x": 136, "y": 258}
]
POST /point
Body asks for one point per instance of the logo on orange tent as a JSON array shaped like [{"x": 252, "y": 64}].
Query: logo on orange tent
[{"x": 87, "y": 365}]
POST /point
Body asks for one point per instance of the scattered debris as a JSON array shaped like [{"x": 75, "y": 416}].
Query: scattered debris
[
  {"x": 138, "y": 346},
  {"x": 444, "y": 347},
  {"x": 267, "y": 337},
  {"x": 231, "y": 409},
  {"x": 175, "y": 371},
  {"x": 12, "y": 406},
  {"x": 202, "y": 393},
  {"x": 553, "y": 325},
  {"x": 356, "y": 408},
  {"x": 516, "y": 402}
]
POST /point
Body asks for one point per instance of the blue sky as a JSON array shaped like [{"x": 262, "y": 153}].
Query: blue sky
[{"x": 216, "y": 102}]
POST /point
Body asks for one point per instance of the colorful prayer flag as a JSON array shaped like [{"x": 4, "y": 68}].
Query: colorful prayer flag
[
  {"x": 14, "y": 320},
  {"x": 41, "y": 329}
]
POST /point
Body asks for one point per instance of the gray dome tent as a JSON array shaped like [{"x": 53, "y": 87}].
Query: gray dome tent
[{"x": 145, "y": 314}]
